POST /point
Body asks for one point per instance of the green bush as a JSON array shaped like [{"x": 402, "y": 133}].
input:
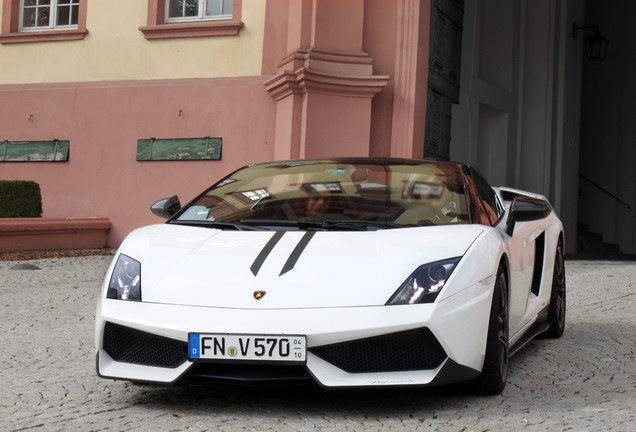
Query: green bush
[{"x": 19, "y": 198}]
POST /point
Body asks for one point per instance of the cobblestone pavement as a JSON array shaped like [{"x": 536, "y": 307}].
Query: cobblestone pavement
[{"x": 582, "y": 382}]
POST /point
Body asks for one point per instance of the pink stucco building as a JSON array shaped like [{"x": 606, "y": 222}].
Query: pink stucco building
[
  {"x": 274, "y": 79},
  {"x": 499, "y": 84}
]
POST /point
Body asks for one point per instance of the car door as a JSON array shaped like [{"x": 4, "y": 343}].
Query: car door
[{"x": 521, "y": 247}]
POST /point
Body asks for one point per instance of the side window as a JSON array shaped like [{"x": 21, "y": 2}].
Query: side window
[
  {"x": 490, "y": 200},
  {"x": 477, "y": 212}
]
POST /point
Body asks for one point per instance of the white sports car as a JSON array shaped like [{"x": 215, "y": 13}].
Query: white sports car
[{"x": 346, "y": 272}]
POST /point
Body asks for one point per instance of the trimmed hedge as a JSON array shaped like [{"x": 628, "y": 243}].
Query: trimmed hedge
[{"x": 20, "y": 198}]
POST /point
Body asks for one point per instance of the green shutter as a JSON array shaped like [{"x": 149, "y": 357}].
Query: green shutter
[
  {"x": 179, "y": 149},
  {"x": 34, "y": 151}
]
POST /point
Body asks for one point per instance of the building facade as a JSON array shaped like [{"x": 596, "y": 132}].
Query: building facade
[
  {"x": 152, "y": 98},
  {"x": 271, "y": 79}
]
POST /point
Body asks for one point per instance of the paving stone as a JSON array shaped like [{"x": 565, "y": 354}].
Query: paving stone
[{"x": 584, "y": 381}]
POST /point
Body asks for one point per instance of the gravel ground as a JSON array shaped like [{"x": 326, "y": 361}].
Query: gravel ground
[{"x": 584, "y": 381}]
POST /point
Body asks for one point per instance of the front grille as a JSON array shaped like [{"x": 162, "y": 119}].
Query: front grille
[
  {"x": 404, "y": 351},
  {"x": 128, "y": 345}
]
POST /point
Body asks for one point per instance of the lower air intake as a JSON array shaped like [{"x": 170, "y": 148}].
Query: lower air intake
[
  {"x": 250, "y": 373},
  {"x": 128, "y": 345},
  {"x": 404, "y": 351}
]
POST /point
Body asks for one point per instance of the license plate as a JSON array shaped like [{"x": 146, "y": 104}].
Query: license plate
[{"x": 240, "y": 347}]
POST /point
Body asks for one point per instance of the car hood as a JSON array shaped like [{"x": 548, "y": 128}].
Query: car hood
[{"x": 294, "y": 269}]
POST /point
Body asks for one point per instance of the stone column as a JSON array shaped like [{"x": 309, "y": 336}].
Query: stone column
[{"x": 325, "y": 84}]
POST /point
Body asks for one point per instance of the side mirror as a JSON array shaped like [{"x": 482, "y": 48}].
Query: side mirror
[
  {"x": 166, "y": 208},
  {"x": 523, "y": 209}
]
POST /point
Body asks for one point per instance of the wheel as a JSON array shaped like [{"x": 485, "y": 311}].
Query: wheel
[
  {"x": 495, "y": 370},
  {"x": 556, "y": 311}
]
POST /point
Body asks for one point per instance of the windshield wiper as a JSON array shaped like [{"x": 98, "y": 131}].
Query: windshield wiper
[
  {"x": 321, "y": 224},
  {"x": 220, "y": 225}
]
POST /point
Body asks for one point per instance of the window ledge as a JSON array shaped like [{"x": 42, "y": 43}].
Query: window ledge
[
  {"x": 43, "y": 36},
  {"x": 204, "y": 29}
]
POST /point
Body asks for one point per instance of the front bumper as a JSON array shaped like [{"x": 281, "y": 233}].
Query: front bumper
[{"x": 458, "y": 324}]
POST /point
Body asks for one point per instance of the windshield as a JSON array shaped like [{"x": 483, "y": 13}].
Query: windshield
[{"x": 335, "y": 194}]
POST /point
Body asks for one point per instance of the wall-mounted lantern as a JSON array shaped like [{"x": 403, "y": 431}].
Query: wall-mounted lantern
[{"x": 595, "y": 45}]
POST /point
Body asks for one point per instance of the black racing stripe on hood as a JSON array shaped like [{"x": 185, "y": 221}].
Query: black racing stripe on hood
[
  {"x": 262, "y": 256},
  {"x": 298, "y": 250}
]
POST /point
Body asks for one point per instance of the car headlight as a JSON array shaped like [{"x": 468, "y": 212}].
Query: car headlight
[
  {"x": 425, "y": 283},
  {"x": 125, "y": 282}
]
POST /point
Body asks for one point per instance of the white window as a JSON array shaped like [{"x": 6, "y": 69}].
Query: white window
[
  {"x": 49, "y": 14},
  {"x": 194, "y": 10}
]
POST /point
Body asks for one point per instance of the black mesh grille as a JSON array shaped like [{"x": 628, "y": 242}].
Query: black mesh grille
[
  {"x": 405, "y": 351},
  {"x": 128, "y": 345}
]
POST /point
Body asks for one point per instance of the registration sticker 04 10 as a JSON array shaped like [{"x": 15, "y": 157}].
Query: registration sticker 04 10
[{"x": 247, "y": 347}]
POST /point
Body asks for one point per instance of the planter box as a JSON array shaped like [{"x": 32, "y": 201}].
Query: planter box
[{"x": 38, "y": 234}]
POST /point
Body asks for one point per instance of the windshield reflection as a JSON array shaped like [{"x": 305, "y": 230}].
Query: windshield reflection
[{"x": 390, "y": 192}]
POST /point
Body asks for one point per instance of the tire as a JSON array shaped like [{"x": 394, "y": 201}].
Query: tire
[
  {"x": 495, "y": 370},
  {"x": 556, "y": 311}
]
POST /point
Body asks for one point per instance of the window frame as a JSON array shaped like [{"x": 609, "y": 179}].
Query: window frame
[
  {"x": 201, "y": 17},
  {"x": 53, "y": 6},
  {"x": 159, "y": 28},
  {"x": 12, "y": 31}
]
